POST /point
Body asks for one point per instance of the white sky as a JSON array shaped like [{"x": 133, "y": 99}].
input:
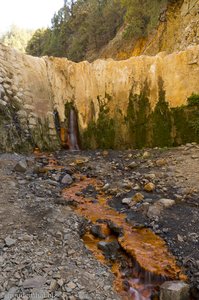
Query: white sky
[{"x": 31, "y": 14}]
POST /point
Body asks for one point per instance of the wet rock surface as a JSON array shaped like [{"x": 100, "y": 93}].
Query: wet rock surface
[{"x": 40, "y": 234}]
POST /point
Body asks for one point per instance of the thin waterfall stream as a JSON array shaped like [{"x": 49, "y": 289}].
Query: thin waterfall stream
[{"x": 73, "y": 130}]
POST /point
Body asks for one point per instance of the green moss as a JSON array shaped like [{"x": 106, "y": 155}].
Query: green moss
[
  {"x": 138, "y": 118},
  {"x": 142, "y": 127},
  {"x": 193, "y": 100},
  {"x": 88, "y": 138},
  {"x": 100, "y": 134},
  {"x": 162, "y": 121}
]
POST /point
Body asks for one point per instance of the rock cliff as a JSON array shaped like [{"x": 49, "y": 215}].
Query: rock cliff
[{"x": 137, "y": 102}]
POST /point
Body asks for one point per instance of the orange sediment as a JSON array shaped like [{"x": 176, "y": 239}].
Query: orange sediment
[{"x": 147, "y": 249}]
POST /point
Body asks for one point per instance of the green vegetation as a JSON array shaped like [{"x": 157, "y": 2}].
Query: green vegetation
[
  {"x": 163, "y": 126},
  {"x": 78, "y": 28},
  {"x": 162, "y": 121},
  {"x": 17, "y": 38},
  {"x": 149, "y": 128},
  {"x": 81, "y": 28},
  {"x": 193, "y": 100},
  {"x": 137, "y": 118},
  {"x": 100, "y": 134},
  {"x": 142, "y": 126},
  {"x": 142, "y": 16}
]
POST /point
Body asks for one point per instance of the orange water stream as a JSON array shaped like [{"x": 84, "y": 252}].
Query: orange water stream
[{"x": 147, "y": 253}]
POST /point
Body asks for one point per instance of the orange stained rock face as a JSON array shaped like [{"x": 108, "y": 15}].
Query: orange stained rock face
[
  {"x": 149, "y": 250},
  {"x": 64, "y": 137}
]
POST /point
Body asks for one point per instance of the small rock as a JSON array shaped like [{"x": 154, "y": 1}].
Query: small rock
[
  {"x": 177, "y": 290},
  {"x": 161, "y": 162},
  {"x": 109, "y": 247},
  {"x": 195, "y": 156},
  {"x": 71, "y": 285},
  {"x": 138, "y": 197},
  {"x": 146, "y": 154},
  {"x": 126, "y": 200},
  {"x": 60, "y": 282},
  {"x": 35, "y": 282},
  {"x": 21, "y": 166},
  {"x": 149, "y": 187},
  {"x": 97, "y": 231},
  {"x": 154, "y": 211},
  {"x": 3, "y": 103},
  {"x": 26, "y": 238},
  {"x": 136, "y": 187},
  {"x": 9, "y": 241},
  {"x": 115, "y": 229},
  {"x": 53, "y": 285},
  {"x": 105, "y": 153},
  {"x": 150, "y": 176},
  {"x": 133, "y": 165},
  {"x": 180, "y": 238},
  {"x": 1, "y": 260},
  {"x": 67, "y": 179},
  {"x": 166, "y": 203},
  {"x": 81, "y": 160},
  {"x": 106, "y": 187}
]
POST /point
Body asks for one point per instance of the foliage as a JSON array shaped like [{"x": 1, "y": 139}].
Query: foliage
[
  {"x": 17, "y": 38},
  {"x": 79, "y": 27},
  {"x": 142, "y": 16},
  {"x": 193, "y": 100},
  {"x": 38, "y": 41}
]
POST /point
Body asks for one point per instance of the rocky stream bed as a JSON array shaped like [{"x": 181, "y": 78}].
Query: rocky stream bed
[{"x": 48, "y": 249}]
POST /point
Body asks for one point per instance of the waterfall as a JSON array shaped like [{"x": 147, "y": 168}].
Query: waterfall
[{"x": 73, "y": 130}]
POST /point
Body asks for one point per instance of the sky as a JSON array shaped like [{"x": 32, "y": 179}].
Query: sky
[{"x": 30, "y": 14}]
